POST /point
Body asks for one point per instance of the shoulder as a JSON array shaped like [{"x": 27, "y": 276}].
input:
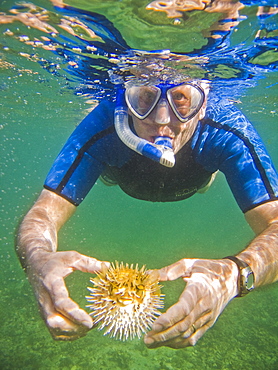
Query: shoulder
[
  {"x": 223, "y": 133},
  {"x": 227, "y": 141},
  {"x": 225, "y": 121},
  {"x": 222, "y": 122},
  {"x": 98, "y": 122},
  {"x": 101, "y": 116},
  {"x": 226, "y": 114}
]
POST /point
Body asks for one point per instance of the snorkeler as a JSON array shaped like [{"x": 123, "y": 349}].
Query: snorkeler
[{"x": 161, "y": 141}]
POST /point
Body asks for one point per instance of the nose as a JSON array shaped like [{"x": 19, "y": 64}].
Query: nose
[{"x": 162, "y": 112}]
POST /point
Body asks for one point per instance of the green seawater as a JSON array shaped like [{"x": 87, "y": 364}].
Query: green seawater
[{"x": 38, "y": 112}]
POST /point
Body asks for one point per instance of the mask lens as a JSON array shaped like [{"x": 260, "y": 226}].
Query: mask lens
[
  {"x": 185, "y": 100},
  {"x": 142, "y": 99}
]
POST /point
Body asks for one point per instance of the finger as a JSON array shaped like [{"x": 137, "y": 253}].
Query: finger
[
  {"x": 180, "y": 342},
  {"x": 63, "y": 329},
  {"x": 171, "y": 317},
  {"x": 193, "y": 339},
  {"x": 190, "y": 338},
  {"x": 165, "y": 328},
  {"x": 177, "y": 321},
  {"x": 183, "y": 328},
  {"x": 177, "y": 342},
  {"x": 185, "y": 341},
  {"x": 186, "y": 327},
  {"x": 176, "y": 270},
  {"x": 60, "y": 327},
  {"x": 188, "y": 305},
  {"x": 197, "y": 324},
  {"x": 63, "y": 304},
  {"x": 72, "y": 311}
]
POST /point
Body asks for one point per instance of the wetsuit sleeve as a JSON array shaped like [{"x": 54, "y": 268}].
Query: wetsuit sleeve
[
  {"x": 229, "y": 142},
  {"x": 83, "y": 157}
]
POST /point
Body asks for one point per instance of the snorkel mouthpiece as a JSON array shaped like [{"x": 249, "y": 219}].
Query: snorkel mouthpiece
[
  {"x": 164, "y": 145},
  {"x": 160, "y": 151}
]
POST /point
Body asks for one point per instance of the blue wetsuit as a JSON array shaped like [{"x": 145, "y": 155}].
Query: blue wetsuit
[{"x": 224, "y": 140}]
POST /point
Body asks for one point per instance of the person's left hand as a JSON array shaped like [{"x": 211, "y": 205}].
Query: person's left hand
[{"x": 211, "y": 284}]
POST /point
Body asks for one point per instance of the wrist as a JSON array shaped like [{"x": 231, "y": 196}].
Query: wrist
[
  {"x": 36, "y": 258},
  {"x": 31, "y": 250},
  {"x": 230, "y": 272},
  {"x": 245, "y": 280}
]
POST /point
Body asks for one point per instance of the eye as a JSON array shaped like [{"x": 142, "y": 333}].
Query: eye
[
  {"x": 147, "y": 95},
  {"x": 178, "y": 96},
  {"x": 146, "y": 98},
  {"x": 180, "y": 99}
]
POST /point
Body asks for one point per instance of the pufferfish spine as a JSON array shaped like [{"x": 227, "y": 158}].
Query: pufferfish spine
[{"x": 125, "y": 300}]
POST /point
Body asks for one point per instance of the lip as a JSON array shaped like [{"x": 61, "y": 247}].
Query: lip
[
  {"x": 152, "y": 138},
  {"x": 149, "y": 131}
]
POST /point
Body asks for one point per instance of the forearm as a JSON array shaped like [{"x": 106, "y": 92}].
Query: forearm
[
  {"x": 38, "y": 230},
  {"x": 262, "y": 256}
]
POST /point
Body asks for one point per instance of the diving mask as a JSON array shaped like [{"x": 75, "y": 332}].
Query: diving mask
[{"x": 185, "y": 99}]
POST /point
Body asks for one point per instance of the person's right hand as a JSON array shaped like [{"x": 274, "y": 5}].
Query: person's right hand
[{"x": 46, "y": 272}]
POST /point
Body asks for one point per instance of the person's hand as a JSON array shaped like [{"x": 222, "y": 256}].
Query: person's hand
[
  {"x": 210, "y": 285},
  {"x": 46, "y": 272}
]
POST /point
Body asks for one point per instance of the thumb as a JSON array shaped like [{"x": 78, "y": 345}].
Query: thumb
[
  {"x": 182, "y": 268},
  {"x": 89, "y": 264}
]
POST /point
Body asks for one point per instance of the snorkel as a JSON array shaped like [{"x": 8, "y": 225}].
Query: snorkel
[{"x": 160, "y": 151}]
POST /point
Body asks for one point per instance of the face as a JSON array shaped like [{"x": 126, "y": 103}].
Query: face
[
  {"x": 162, "y": 121},
  {"x": 151, "y": 127},
  {"x": 161, "y": 111}
]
